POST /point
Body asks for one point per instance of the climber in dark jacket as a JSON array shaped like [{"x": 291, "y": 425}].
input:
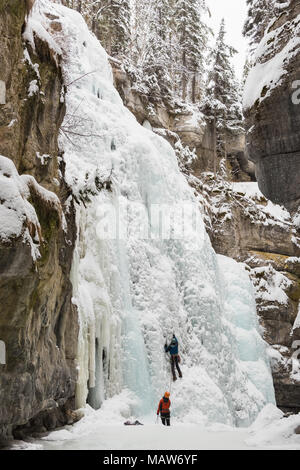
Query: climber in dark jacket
[{"x": 173, "y": 350}]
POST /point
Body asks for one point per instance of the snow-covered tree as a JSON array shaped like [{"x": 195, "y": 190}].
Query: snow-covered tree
[
  {"x": 161, "y": 43},
  {"x": 79, "y": 5},
  {"x": 152, "y": 49},
  {"x": 193, "y": 36},
  {"x": 247, "y": 68},
  {"x": 109, "y": 20},
  {"x": 222, "y": 103},
  {"x": 112, "y": 25}
]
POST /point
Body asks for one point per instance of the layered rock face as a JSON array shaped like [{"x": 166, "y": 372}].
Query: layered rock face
[
  {"x": 273, "y": 109},
  {"x": 244, "y": 225},
  {"x": 185, "y": 124},
  {"x": 38, "y": 322}
]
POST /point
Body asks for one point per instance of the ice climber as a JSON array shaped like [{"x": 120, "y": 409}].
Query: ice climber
[
  {"x": 164, "y": 409},
  {"x": 175, "y": 359}
]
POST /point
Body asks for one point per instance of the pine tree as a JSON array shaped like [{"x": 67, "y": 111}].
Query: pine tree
[
  {"x": 109, "y": 20},
  {"x": 112, "y": 25},
  {"x": 161, "y": 43},
  {"x": 247, "y": 68},
  {"x": 152, "y": 46},
  {"x": 222, "y": 103},
  {"x": 193, "y": 36}
]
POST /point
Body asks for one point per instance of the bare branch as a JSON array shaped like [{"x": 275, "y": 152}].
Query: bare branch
[{"x": 79, "y": 78}]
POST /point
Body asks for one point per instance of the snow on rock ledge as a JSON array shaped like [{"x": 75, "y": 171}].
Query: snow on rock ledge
[
  {"x": 18, "y": 217},
  {"x": 35, "y": 28},
  {"x": 272, "y": 57},
  {"x": 272, "y": 109}
]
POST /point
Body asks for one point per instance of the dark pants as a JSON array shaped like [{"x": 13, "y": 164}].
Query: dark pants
[
  {"x": 165, "y": 419},
  {"x": 174, "y": 362}
]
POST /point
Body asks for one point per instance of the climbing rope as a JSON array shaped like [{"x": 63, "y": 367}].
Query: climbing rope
[
  {"x": 171, "y": 376},
  {"x": 171, "y": 381},
  {"x": 167, "y": 374}
]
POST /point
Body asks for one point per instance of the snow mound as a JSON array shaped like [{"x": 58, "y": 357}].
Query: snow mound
[
  {"x": 272, "y": 429},
  {"x": 268, "y": 416}
]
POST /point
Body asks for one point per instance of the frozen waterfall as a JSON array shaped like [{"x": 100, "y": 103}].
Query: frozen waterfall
[{"x": 144, "y": 266}]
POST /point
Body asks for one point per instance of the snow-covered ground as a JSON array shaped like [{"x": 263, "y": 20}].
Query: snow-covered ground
[
  {"x": 147, "y": 437},
  {"x": 273, "y": 211},
  {"x": 104, "y": 430}
]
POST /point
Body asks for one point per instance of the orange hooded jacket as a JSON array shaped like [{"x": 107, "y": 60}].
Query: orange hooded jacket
[{"x": 164, "y": 407}]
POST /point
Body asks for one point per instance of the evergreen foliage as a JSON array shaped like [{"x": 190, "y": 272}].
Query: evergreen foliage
[{"x": 222, "y": 103}]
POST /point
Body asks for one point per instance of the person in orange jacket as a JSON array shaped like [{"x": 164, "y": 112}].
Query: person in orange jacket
[{"x": 164, "y": 409}]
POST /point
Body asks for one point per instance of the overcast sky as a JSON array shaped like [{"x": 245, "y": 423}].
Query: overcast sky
[{"x": 234, "y": 13}]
